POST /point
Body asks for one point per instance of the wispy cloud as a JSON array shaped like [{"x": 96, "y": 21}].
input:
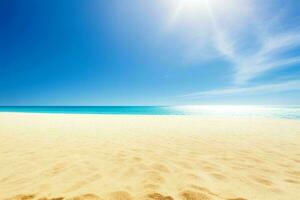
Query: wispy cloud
[
  {"x": 268, "y": 55},
  {"x": 255, "y": 42},
  {"x": 266, "y": 58},
  {"x": 230, "y": 29},
  {"x": 293, "y": 85}
]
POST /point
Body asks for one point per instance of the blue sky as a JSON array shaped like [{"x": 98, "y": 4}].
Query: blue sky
[{"x": 140, "y": 52}]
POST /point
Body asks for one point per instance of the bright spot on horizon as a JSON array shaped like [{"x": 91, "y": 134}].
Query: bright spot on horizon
[{"x": 236, "y": 110}]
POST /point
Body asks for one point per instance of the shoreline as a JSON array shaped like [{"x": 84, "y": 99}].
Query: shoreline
[
  {"x": 218, "y": 111},
  {"x": 214, "y": 117}
]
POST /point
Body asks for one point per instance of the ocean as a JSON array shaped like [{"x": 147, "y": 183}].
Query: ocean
[{"x": 287, "y": 112}]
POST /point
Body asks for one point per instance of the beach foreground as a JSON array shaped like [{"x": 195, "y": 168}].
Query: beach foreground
[{"x": 119, "y": 157}]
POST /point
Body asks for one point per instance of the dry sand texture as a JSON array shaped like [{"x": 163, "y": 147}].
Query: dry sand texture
[{"x": 104, "y": 157}]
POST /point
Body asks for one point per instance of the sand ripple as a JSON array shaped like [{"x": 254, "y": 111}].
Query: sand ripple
[{"x": 147, "y": 158}]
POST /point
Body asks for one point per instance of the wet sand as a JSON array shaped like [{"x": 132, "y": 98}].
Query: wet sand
[{"x": 119, "y": 157}]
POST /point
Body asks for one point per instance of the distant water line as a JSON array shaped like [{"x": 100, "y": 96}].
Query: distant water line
[{"x": 288, "y": 112}]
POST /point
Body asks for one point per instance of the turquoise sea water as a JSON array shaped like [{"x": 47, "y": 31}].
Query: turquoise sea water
[{"x": 290, "y": 112}]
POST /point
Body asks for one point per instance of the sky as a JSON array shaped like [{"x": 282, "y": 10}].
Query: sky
[{"x": 141, "y": 52}]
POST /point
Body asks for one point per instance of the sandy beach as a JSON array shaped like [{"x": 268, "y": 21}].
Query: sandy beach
[{"x": 122, "y": 157}]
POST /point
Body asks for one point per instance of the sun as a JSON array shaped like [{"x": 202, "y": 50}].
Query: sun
[
  {"x": 188, "y": 8},
  {"x": 193, "y": 11}
]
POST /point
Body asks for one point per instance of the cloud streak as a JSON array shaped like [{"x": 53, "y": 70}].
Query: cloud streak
[
  {"x": 267, "y": 57},
  {"x": 254, "y": 41},
  {"x": 293, "y": 85}
]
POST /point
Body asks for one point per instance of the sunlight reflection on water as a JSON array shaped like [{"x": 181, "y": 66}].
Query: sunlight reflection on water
[{"x": 292, "y": 112}]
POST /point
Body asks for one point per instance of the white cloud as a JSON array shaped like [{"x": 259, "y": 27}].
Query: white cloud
[
  {"x": 244, "y": 33},
  {"x": 293, "y": 85},
  {"x": 267, "y": 58},
  {"x": 268, "y": 55},
  {"x": 252, "y": 39}
]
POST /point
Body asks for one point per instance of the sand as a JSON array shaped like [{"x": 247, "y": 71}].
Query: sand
[{"x": 105, "y": 157}]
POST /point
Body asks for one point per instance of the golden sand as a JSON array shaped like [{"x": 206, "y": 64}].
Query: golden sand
[{"x": 103, "y": 157}]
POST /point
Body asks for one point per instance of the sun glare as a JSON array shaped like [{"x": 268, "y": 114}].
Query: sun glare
[
  {"x": 189, "y": 9},
  {"x": 201, "y": 10}
]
